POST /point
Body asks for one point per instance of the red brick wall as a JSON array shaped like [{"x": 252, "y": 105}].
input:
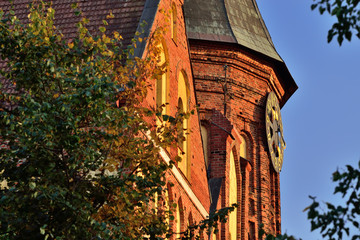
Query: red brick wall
[
  {"x": 250, "y": 78},
  {"x": 179, "y": 60}
]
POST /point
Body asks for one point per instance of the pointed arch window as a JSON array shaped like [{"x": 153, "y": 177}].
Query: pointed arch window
[
  {"x": 244, "y": 146},
  {"x": 179, "y": 219},
  {"x": 233, "y": 193},
  {"x": 162, "y": 82},
  {"x": 205, "y": 139},
  {"x": 183, "y": 107}
]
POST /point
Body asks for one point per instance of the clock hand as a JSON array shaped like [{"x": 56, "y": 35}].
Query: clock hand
[{"x": 282, "y": 137}]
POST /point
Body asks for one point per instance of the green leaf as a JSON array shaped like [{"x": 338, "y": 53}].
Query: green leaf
[
  {"x": 32, "y": 185},
  {"x": 42, "y": 229},
  {"x": 74, "y": 5},
  {"x": 313, "y": 6},
  {"x": 321, "y": 10}
]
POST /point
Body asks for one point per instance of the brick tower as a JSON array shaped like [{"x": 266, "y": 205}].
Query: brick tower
[{"x": 235, "y": 66}]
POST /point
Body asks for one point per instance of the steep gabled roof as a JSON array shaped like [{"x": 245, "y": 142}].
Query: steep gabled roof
[{"x": 128, "y": 14}]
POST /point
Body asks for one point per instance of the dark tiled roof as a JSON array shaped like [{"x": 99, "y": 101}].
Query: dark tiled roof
[{"x": 127, "y": 15}]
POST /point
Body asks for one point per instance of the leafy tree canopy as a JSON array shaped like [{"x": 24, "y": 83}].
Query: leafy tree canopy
[
  {"x": 335, "y": 222},
  {"x": 347, "y": 14},
  {"x": 73, "y": 165},
  {"x": 342, "y": 221}
]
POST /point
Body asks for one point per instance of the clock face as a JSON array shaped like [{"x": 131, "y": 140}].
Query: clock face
[{"x": 274, "y": 131}]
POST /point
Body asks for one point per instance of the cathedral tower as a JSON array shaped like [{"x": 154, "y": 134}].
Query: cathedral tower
[
  {"x": 235, "y": 68},
  {"x": 218, "y": 55}
]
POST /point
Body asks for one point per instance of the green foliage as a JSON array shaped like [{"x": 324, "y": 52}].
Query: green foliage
[
  {"x": 75, "y": 166},
  {"x": 342, "y": 221},
  {"x": 347, "y": 14},
  {"x": 72, "y": 164},
  {"x": 335, "y": 222},
  {"x": 209, "y": 225},
  {"x": 262, "y": 234}
]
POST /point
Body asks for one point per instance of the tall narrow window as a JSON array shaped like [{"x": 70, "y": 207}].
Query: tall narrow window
[
  {"x": 190, "y": 222},
  {"x": 252, "y": 231},
  {"x": 205, "y": 140},
  {"x": 161, "y": 83},
  {"x": 179, "y": 219},
  {"x": 243, "y": 148},
  {"x": 244, "y": 187},
  {"x": 244, "y": 154},
  {"x": 232, "y": 197},
  {"x": 183, "y": 107},
  {"x": 178, "y": 222}
]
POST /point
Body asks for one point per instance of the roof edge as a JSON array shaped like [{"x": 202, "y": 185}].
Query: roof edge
[
  {"x": 282, "y": 72},
  {"x": 148, "y": 16}
]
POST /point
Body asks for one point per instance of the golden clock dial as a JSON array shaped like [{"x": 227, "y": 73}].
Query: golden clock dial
[{"x": 274, "y": 131}]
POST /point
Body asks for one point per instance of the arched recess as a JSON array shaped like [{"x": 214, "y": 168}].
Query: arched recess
[
  {"x": 170, "y": 207},
  {"x": 190, "y": 221},
  {"x": 183, "y": 107},
  {"x": 167, "y": 203},
  {"x": 234, "y": 194},
  {"x": 205, "y": 137},
  {"x": 248, "y": 187},
  {"x": 162, "y": 83},
  {"x": 246, "y": 153},
  {"x": 173, "y": 22},
  {"x": 275, "y": 196},
  {"x": 179, "y": 219}
]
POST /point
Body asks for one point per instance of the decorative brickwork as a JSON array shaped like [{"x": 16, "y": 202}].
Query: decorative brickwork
[
  {"x": 229, "y": 83},
  {"x": 178, "y": 65},
  {"x": 231, "y": 80}
]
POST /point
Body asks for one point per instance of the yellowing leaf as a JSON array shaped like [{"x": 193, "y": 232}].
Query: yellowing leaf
[
  {"x": 110, "y": 15},
  {"x": 74, "y": 5},
  {"x": 85, "y": 20},
  {"x": 51, "y": 10},
  {"x": 106, "y": 39}
]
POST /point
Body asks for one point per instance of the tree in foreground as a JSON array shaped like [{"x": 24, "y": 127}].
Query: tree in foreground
[
  {"x": 73, "y": 164},
  {"x": 347, "y": 15},
  {"x": 336, "y": 222},
  {"x": 342, "y": 221},
  {"x": 266, "y": 236}
]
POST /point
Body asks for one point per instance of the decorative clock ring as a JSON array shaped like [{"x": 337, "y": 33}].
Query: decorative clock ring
[{"x": 274, "y": 131}]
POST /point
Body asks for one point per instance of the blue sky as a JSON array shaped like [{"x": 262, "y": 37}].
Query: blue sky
[{"x": 322, "y": 119}]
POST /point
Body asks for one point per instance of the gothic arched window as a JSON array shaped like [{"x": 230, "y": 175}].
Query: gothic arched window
[
  {"x": 233, "y": 192},
  {"x": 161, "y": 83},
  {"x": 183, "y": 107}
]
